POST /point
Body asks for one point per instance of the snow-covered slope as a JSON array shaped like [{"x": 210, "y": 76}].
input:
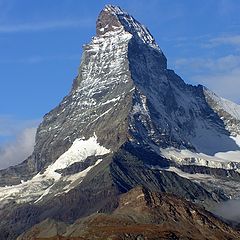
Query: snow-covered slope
[
  {"x": 224, "y": 156},
  {"x": 50, "y": 181},
  {"x": 225, "y": 160}
]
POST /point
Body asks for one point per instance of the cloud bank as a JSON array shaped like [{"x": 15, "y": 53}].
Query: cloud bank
[
  {"x": 227, "y": 85},
  {"x": 229, "y": 210},
  {"x": 220, "y": 74},
  {"x": 17, "y": 139},
  {"x": 233, "y": 40},
  {"x": 41, "y": 26},
  {"x": 18, "y": 150},
  {"x": 216, "y": 65}
]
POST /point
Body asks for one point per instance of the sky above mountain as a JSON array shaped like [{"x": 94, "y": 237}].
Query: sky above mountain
[{"x": 41, "y": 45}]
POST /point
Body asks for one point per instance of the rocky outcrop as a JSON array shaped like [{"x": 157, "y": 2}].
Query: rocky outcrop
[{"x": 142, "y": 214}]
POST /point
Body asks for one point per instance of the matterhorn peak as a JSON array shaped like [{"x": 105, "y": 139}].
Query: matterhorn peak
[
  {"x": 113, "y": 17},
  {"x": 128, "y": 121}
]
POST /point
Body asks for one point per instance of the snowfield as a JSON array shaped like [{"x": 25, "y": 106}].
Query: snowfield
[
  {"x": 41, "y": 184},
  {"x": 226, "y": 160},
  {"x": 214, "y": 150}
]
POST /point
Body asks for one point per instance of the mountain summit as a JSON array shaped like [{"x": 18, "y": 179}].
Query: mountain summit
[
  {"x": 127, "y": 121},
  {"x": 114, "y": 18}
]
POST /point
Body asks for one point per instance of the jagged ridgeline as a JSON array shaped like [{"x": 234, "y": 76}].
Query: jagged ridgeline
[{"x": 127, "y": 121}]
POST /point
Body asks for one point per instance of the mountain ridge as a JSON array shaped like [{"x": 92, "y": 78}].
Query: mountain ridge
[{"x": 127, "y": 121}]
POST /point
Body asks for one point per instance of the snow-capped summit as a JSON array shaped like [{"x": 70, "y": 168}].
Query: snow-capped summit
[
  {"x": 127, "y": 121},
  {"x": 113, "y": 17}
]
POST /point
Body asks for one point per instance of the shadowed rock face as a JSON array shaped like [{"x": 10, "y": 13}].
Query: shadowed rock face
[
  {"x": 125, "y": 96},
  {"x": 141, "y": 214}
]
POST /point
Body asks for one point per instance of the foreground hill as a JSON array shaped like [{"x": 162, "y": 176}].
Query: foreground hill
[{"x": 141, "y": 214}]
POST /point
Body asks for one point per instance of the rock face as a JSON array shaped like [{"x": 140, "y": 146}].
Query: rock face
[
  {"x": 141, "y": 214},
  {"x": 127, "y": 121}
]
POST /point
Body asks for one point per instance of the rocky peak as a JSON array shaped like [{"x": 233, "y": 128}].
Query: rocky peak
[
  {"x": 108, "y": 20},
  {"x": 128, "y": 121},
  {"x": 113, "y": 17}
]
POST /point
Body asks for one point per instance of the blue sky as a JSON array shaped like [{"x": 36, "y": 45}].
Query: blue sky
[{"x": 41, "y": 45}]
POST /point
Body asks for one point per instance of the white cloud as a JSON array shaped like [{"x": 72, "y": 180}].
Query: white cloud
[
  {"x": 233, "y": 40},
  {"x": 17, "y": 151},
  {"x": 17, "y": 139},
  {"x": 221, "y": 64},
  {"x": 221, "y": 75},
  {"x": 229, "y": 210},
  {"x": 225, "y": 84},
  {"x": 40, "y": 26}
]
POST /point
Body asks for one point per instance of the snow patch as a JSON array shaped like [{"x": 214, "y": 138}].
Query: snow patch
[
  {"x": 78, "y": 177},
  {"x": 226, "y": 160},
  {"x": 140, "y": 196},
  {"x": 236, "y": 139},
  {"x": 42, "y": 184},
  {"x": 111, "y": 100},
  {"x": 78, "y": 152}
]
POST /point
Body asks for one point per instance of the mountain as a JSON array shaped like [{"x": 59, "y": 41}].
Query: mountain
[
  {"x": 127, "y": 121},
  {"x": 141, "y": 214}
]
